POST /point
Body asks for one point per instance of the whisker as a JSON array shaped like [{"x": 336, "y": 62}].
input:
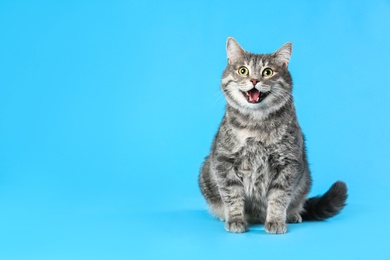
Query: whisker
[{"x": 218, "y": 99}]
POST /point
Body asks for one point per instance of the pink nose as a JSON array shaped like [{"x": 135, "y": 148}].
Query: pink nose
[{"x": 254, "y": 81}]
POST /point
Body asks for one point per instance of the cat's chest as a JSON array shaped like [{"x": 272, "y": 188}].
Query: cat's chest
[
  {"x": 243, "y": 137},
  {"x": 252, "y": 155},
  {"x": 252, "y": 166}
]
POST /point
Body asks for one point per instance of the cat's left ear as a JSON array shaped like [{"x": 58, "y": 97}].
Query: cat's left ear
[
  {"x": 234, "y": 51},
  {"x": 283, "y": 55}
]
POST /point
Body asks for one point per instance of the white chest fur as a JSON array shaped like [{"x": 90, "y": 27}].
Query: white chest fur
[{"x": 252, "y": 165}]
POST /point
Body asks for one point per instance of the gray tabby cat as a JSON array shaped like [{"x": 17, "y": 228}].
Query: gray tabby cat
[{"x": 257, "y": 171}]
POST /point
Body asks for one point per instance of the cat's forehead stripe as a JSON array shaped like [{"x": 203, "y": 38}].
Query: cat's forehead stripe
[
  {"x": 256, "y": 61},
  {"x": 251, "y": 63}
]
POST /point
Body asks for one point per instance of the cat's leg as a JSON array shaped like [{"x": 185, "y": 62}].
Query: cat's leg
[
  {"x": 233, "y": 196},
  {"x": 233, "y": 200},
  {"x": 275, "y": 222},
  {"x": 279, "y": 198}
]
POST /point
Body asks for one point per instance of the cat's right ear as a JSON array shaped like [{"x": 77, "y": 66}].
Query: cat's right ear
[
  {"x": 234, "y": 50},
  {"x": 283, "y": 55}
]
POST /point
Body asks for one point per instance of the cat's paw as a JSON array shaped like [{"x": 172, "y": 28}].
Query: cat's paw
[
  {"x": 275, "y": 227},
  {"x": 295, "y": 218},
  {"x": 236, "y": 226}
]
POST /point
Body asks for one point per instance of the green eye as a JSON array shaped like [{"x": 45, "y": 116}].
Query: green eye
[
  {"x": 268, "y": 72},
  {"x": 243, "y": 71}
]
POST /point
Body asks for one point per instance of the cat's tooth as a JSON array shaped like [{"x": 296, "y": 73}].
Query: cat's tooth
[{"x": 258, "y": 99}]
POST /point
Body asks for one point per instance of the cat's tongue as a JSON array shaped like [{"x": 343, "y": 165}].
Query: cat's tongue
[{"x": 254, "y": 95}]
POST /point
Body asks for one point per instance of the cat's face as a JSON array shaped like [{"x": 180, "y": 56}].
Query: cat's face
[{"x": 257, "y": 81}]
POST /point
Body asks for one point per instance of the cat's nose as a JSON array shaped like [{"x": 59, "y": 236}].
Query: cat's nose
[{"x": 254, "y": 81}]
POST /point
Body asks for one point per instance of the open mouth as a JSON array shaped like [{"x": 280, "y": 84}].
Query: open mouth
[{"x": 254, "y": 96}]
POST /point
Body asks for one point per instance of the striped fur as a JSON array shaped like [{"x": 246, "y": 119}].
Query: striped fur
[{"x": 257, "y": 171}]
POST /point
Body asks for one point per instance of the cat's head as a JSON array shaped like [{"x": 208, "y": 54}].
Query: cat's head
[{"x": 258, "y": 82}]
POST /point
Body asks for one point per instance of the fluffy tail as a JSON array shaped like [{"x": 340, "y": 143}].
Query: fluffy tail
[{"x": 327, "y": 205}]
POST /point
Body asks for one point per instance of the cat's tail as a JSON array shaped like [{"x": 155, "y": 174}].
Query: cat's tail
[{"x": 327, "y": 205}]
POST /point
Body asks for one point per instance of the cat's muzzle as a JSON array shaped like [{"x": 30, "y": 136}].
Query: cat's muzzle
[{"x": 254, "y": 95}]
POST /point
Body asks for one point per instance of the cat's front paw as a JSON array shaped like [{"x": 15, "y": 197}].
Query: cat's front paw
[
  {"x": 275, "y": 227},
  {"x": 236, "y": 226}
]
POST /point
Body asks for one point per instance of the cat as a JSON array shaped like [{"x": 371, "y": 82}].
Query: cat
[{"x": 257, "y": 169}]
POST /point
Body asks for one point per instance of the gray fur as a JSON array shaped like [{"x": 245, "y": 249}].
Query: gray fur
[{"x": 257, "y": 171}]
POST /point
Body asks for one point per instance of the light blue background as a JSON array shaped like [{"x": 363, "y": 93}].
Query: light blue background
[{"x": 107, "y": 109}]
